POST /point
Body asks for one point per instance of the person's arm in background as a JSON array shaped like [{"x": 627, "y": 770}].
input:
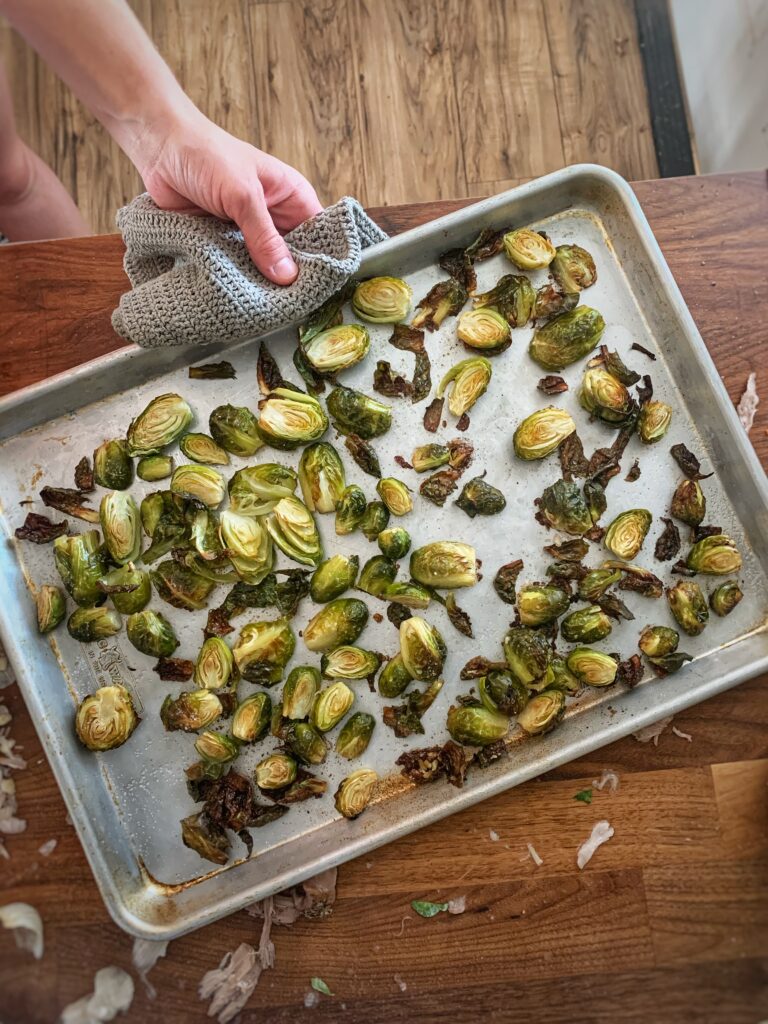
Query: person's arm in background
[{"x": 101, "y": 51}]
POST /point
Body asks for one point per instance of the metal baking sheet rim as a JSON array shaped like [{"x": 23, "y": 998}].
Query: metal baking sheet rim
[{"x": 579, "y": 735}]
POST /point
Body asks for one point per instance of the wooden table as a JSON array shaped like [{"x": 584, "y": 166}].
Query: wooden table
[{"x": 670, "y": 921}]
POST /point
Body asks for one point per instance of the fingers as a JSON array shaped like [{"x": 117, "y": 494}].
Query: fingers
[
  {"x": 298, "y": 206},
  {"x": 262, "y": 238}
]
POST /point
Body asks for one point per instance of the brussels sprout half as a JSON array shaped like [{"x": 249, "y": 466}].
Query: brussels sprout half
[
  {"x": 331, "y": 705},
  {"x": 689, "y": 504},
  {"x": 422, "y": 649},
  {"x": 154, "y": 467},
  {"x": 337, "y": 348},
  {"x": 356, "y": 792},
  {"x": 689, "y": 607},
  {"x": 190, "y": 710},
  {"x": 445, "y": 564},
  {"x": 263, "y": 649},
  {"x": 293, "y": 528},
  {"x": 542, "y": 713},
  {"x": 355, "y": 735},
  {"x": 356, "y": 413},
  {"x": 382, "y": 300},
  {"x": 528, "y": 250},
  {"x": 657, "y": 641},
  {"x": 121, "y": 526},
  {"x": 484, "y": 329},
  {"x": 248, "y": 545},
  {"x": 251, "y": 718},
  {"x": 339, "y": 622},
  {"x": 654, "y": 421},
  {"x": 213, "y": 668},
  {"x": 349, "y": 662},
  {"x": 161, "y": 423},
  {"x": 151, "y": 633},
  {"x": 129, "y": 588},
  {"x": 275, "y": 771},
  {"x": 201, "y": 483},
  {"x": 542, "y": 432},
  {"x": 322, "y": 478},
  {"x": 395, "y": 495},
  {"x": 724, "y": 598},
  {"x": 593, "y": 668},
  {"x": 540, "y": 603},
  {"x": 394, "y": 542},
  {"x": 106, "y": 719},
  {"x": 51, "y": 607},
  {"x": 586, "y": 625},
  {"x": 512, "y": 297},
  {"x": 476, "y": 725},
  {"x": 469, "y": 379},
  {"x": 202, "y": 448},
  {"x": 235, "y": 429},
  {"x": 91, "y": 624},
  {"x": 605, "y": 397},
  {"x": 573, "y": 268},
  {"x": 350, "y": 510},
  {"x": 716, "y": 555},
  {"x": 566, "y": 338},
  {"x": 299, "y": 692},
  {"x": 112, "y": 465},
  {"x": 625, "y": 536},
  {"x": 255, "y": 490}
]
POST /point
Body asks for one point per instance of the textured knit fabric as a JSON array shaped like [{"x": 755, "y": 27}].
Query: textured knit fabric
[{"x": 194, "y": 282}]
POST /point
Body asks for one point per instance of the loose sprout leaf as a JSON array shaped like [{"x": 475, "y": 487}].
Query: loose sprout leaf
[
  {"x": 364, "y": 454},
  {"x": 403, "y": 720},
  {"x": 327, "y": 315},
  {"x": 480, "y": 666},
  {"x": 614, "y": 607},
  {"x": 645, "y": 390},
  {"x": 505, "y": 580},
  {"x": 461, "y": 453},
  {"x": 640, "y": 348},
  {"x": 630, "y": 671},
  {"x": 633, "y": 472},
  {"x": 424, "y": 908},
  {"x": 439, "y": 486},
  {"x": 40, "y": 529},
  {"x": 584, "y": 795},
  {"x": 573, "y": 461},
  {"x": 422, "y": 379},
  {"x": 84, "y": 475},
  {"x": 444, "y": 299},
  {"x": 402, "y": 462},
  {"x": 390, "y": 383},
  {"x": 268, "y": 372},
  {"x": 568, "y": 550},
  {"x": 320, "y": 986},
  {"x": 176, "y": 670},
  {"x": 552, "y": 385},
  {"x": 463, "y": 422},
  {"x": 69, "y": 501},
  {"x": 213, "y": 371},
  {"x": 685, "y": 459},
  {"x": 668, "y": 543},
  {"x": 488, "y": 243},
  {"x": 433, "y": 414},
  {"x": 291, "y": 590},
  {"x": 407, "y": 339},
  {"x": 315, "y": 383},
  {"x": 458, "y": 617}
]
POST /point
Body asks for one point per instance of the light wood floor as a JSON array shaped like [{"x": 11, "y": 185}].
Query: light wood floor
[{"x": 389, "y": 100}]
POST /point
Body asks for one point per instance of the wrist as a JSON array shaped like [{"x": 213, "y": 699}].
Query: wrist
[{"x": 142, "y": 134}]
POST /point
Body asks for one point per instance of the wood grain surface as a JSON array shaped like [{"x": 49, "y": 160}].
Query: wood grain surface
[{"x": 669, "y": 923}]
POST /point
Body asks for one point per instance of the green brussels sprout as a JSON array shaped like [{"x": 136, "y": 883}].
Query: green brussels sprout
[
  {"x": 597, "y": 582},
  {"x": 422, "y": 649},
  {"x": 321, "y": 475},
  {"x": 105, "y": 719},
  {"x": 478, "y": 498},
  {"x": 411, "y": 595},
  {"x": 374, "y": 520},
  {"x": 625, "y": 536},
  {"x": 564, "y": 508},
  {"x": 207, "y": 839},
  {"x": 513, "y": 297},
  {"x": 337, "y": 348},
  {"x": 255, "y": 490},
  {"x": 181, "y": 587},
  {"x": 430, "y": 456},
  {"x": 202, "y": 448},
  {"x": 395, "y": 495},
  {"x": 326, "y": 315},
  {"x": 251, "y": 718},
  {"x": 540, "y": 603},
  {"x": 216, "y": 747},
  {"x": 475, "y": 725},
  {"x": 378, "y": 573},
  {"x": 445, "y": 299},
  {"x": 658, "y": 641},
  {"x": 687, "y": 604},
  {"x": 191, "y": 710},
  {"x": 349, "y": 662},
  {"x": 382, "y": 300},
  {"x": 550, "y": 301},
  {"x": 592, "y": 668},
  {"x": 561, "y": 677},
  {"x": 162, "y": 422},
  {"x": 445, "y": 564},
  {"x": 235, "y": 429},
  {"x": 213, "y": 668},
  {"x": 586, "y": 625},
  {"x": 356, "y": 792},
  {"x": 654, "y": 421},
  {"x": 330, "y": 706},
  {"x": 356, "y": 413},
  {"x": 293, "y": 528},
  {"x": 395, "y": 542},
  {"x": 604, "y": 396},
  {"x": 394, "y": 677},
  {"x": 527, "y": 653},
  {"x": 689, "y": 504},
  {"x": 332, "y": 577},
  {"x": 152, "y": 509},
  {"x": 500, "y": 691},
  {"x": 542, "y": 712},
  {"x": 355, "y": 735},
  {"x": 339, "y": 622},
  {"x": 724, "y": 598},
  {"x": 573, "y": 268},
  {"x": 299, "y": 692},
  {"x": 90, "y": 624},
  {"x": 527, "y": 249},
  {"x": 248, "y": 545},
  {"x": 201, "y": 483},
  {"x": 154, "y": 467},
  {"x": 151, "y": 633},
  {"x": 113, "y": 466},
  {"x": 306, "y": 743},
  {"x": 484, "y": 329},
  {"x": 290, "y": 418},
  {"x": 51, "y": 607},
  {"x": 128, "y": 587},
  {"x": 714, "y": 556},
  {"x": 566, "y": 338},
  {"x": 275, "y": 771},
  {"x": 542, "y": 432},
  {"x": 350, "y": 510},
  {"x": 263, "y": 649},
  {"x": 121, "y": 525},
  {"x": 470, "y": 379}
]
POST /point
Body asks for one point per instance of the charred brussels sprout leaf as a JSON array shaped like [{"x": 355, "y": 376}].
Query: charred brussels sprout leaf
[
  {"x": 40, "y": 530},
  {"x": 527, "y": 249},
  {"x": 306, "y": 743},
  {"x": 573, "y": 268},
  {"x": 235, "y": 429},
  {"x": 162, "y": 422},
  {"x": 299, "y": 692},
  {"x": 605, "y": 397},
  {"x": 275, "y": 771},
  {"x": 513, "y": 298},
  {"x": 445, "y": 299},
  {"x": 181, "y": 587},
  {"x": 687, "y": 604},
  {"x": 213, "y": 668},
  {"x": 395, "y": 495},
  {"x": 540, "y": 603},
  {"x": 190, "y": 711},
  {"x": 174, "y": 670},
  {"x": 626, "y": 534},
  {"x": 542, "y": 713},
  {"x": 563, "y": 507},
  {"x": 90, "y": 624},
  {"x": 84, "y": 475},
  {"x": 350, "y": 510},
  {"x": 658, "y": 641},
  {"x": 356, "y": 413},
  {"x": 69, "y": 501},
  {"x": 389, "y": 382},
  {"x": 289, "y": 419},
  {"x": 339, "y": 622},
  {"x": 151, "y": 633},
  {"x": 653, "y": 423},
  {"x": 688, "y": 462},
  {"x": 202, "y": 448},
  {"x": 592, "y": 668},
  {"x": 527, "y": 653},
  {"x": 355, "y": 735},
  {"x": 113, "y": 466},
  {"x": 469, "y": 379},
  {"x": 407, "y": 595},
  {"x": 213, "y": 371},
  {"x": 348, "y": 662},
  {"x": 128, "y": 587},
  {"x": 263, "y": 649},
  {"x": 207, "y": 839},
  {"x": 81, "y": 562},
  {"x": 458, "y": 618},
  {"x": 667, "y": 664},
  {"x": 333, "y": 577},
  {"x": 216, "y": 747},
  {"x": 293, "y": 528},
  {"x": 255, "y": 490},
  {"x": 716, "y": 555},
  {"x": 121, "y": 526},
  {"x": 724, "y": 598},
  {"x": 374, "y": 519},
  {"x": 51, "y": 607},
  {"x": 106, "y": 719},
  {"x": 321, "y": 475},
  {"x": 356, "y": 792},
  {"x": 154, "y": 467},
  {"x": 395, "y": 542},
  {"x": 484, "y": 329},
  {"x": 382, "y": 300},
  {"x": 330, "y": 705},
  {"x": 445, "y": 565},
  {"x": 476, "y": 725},
  {"x": 569, "y": 550},
  {"x": 433, "y": 414},
  {"x": 542, "y": 432},
  {"x": 586, "y": 625},
  {"x": 505, "y": 581},
  {"x": 668, "y": 543},
  {"x": 479, "y": 498},
  {"x": 689, "y": 504},
  {"x": 566, "y": 338},
  {"x": 422, "y": 649},
  {"x": 200, "y": 483},
  {"x": 337, "y": 348},
  {"x": 438, "y": 487},
  {"x": 364, "y": 455}
]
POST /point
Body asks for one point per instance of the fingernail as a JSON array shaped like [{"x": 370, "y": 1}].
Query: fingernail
[{"x": 284, "y": 270}]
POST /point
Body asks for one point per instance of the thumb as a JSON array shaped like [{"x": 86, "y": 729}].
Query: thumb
[{"x": 264, "y": 242}]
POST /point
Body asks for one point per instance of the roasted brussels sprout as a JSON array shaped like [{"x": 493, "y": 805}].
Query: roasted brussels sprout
[
  {"x": 470, "y": 379},
  {"x": 306, "y": 743},
  {"x": 592, "y": 668},
  {"x": 293, "y": 528},
  {"x": 484, "y": 329},
  {"x": 51, "y": 607},
  {"x": 382, "y": 300},
  {"x": 542, "y": 432},
  {"x": 181, "y": 587},
  {"x": 724, "y": 598},
  {"x": 251, "y": 718},
  {"x": 550, "y": 301},
  {"x": 573, "y": 268},
  {"x": 154, "y": 467},
  {"x": 255, "y": 490},
  {"x": 605, "y": 397},
  {"x": 596, "y": 583},
  {"x": 332, "y": 577},
  {"x": 321, "y": 475},
  {"x": 290, "y": 418},
  {"x": 355, "y": 735},
  {"x": 348, "y": 662},
  {"x": 542, "y": 712},
  {"x": 375, "y": 519},
  {"x": 275, "y": 771},
  {"x": 216, "y": 747},
  {"x": 475, "y": 725},
  {"x": 356, "y": 413},
  {"x": 430, "y": 456},
  {"x": 330, "y": 706},
  {"x": 445, "y": 299},
  {"x": 445, "y": 564},
  {"x": 213, "y": 668},
  {"x": 653, "y": 422},
  {"x": 248, "y": 545},
  {"x": 422, "y": 649},
  {"x": 350, "y": 510},
  {"x": 687, "y": 604},
  {"x": 586, "y": 625},
  {"x": 337, "y": 348},
  {"x": 395, "y": 543},
  {"x": 105, "y": 719},
  {"x": 128, "y": 587},
  {"x": 202, "y": 448},
  {"x": 90, "y": 624},
  {"x": 151, "y": 633},
  {"x": 479, "y": 498},
  {"x": 356, "y": 792},
  {"x": 513, "y": 297},
  {"x": 527, "y": 653},
  {"x": 339, "y": 622},
  {"x": 563, "y": 506},
  {"x": 235, "y": 429},
  {"x": 152, "y": 509},
  {"x": 689, "y": 504},
  {"x": 408, "y": 595},
  {"x": 299, "y": 691},
  {"x": 113, "y": 466},
  {"x": 190, "y": 711},
  {"x": 162, "y": 422},
  {"x": 200, "y": 483},
  {"x": 263, "y": 649},
  {"x": 658, "y": 641},
  {"x": 716, "y": 555},
  {"x": 501, "y": 691},
  {"x": 121, "y": 525},
  {"x": 527, "y": 249},
  {"x": 395, "y": 495},
  {"x": 326, "y": 315},
  {"x": 560, "y": 677},
  {"x": 540, "y": 603},
  {"x": 566, "y": 338},
  {"x": 625, "y": 536},
  {"x": 394, "y": 677}
]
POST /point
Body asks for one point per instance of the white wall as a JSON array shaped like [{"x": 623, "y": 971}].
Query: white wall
[{"x": 723, "y": 50}]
